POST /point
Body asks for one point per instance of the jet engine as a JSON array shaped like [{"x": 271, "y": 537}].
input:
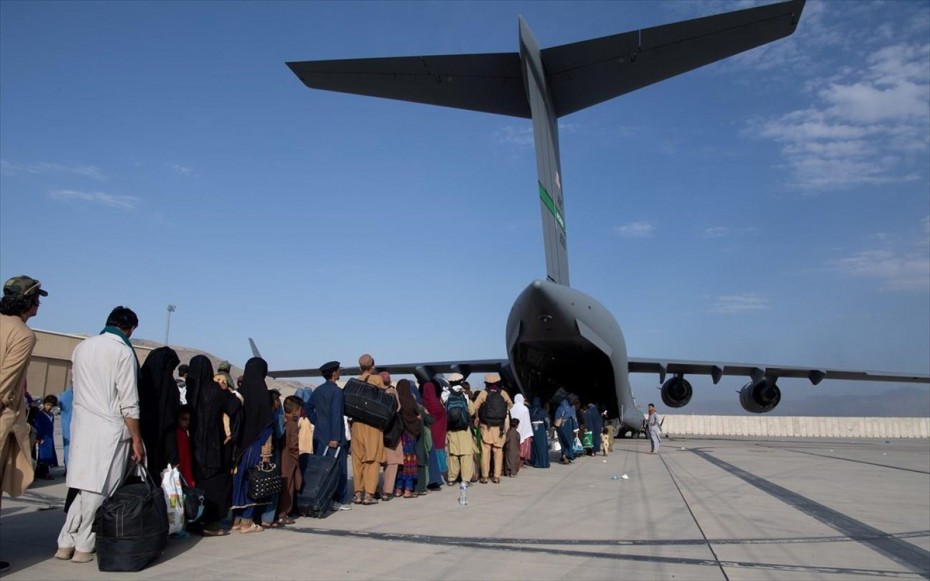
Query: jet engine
[
  {"x": 676, "y": 392},
  {"x": 760, "y": 396}
]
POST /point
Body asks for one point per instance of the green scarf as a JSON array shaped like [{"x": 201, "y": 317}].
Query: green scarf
[{"x": 116, "y": 331}]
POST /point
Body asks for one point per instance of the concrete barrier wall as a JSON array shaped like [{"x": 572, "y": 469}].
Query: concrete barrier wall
[{"x": 796, "y": 426}]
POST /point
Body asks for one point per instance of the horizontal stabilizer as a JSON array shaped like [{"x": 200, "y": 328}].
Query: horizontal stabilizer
[
  {"x": 492, "y": 83},
  {"x": 578, "y": 75},
  {"x": 590, "y": 72}
]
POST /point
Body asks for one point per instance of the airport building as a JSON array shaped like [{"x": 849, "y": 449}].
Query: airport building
[{"x": 50, "y": 366}]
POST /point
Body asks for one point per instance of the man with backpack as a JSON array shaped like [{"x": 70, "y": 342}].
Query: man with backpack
[
  {"x": 459, "y": 444},
  {"x": 491, "y": 407}
]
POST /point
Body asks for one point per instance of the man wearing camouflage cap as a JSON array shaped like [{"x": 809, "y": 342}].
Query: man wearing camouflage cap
[
  {"x": 223, "y": 369},
  {"x": 20, "y": 302}
]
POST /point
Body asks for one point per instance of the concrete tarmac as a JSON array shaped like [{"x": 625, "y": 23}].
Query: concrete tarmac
[{"x": 701, "y": 509}]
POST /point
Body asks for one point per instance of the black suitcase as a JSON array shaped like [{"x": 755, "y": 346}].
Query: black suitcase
[
  {"x": 367, "y": 404},
  {"x": 131, "y": 525},
  {"x": 320, "y": 482}
]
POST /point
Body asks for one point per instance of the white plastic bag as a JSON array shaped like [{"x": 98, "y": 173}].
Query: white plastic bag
[{"x": 174, "y": 498}]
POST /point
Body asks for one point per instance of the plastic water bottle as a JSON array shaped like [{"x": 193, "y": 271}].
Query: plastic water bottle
[
  {"x": 615, "y": 476},
  {"x": 463, "y": 494}
]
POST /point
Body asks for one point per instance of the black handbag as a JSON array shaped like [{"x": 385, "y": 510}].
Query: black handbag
[{"x": 264, "y": 481}]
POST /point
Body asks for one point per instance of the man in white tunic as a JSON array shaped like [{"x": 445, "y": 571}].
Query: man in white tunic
[{"x": 104, "y": 429}]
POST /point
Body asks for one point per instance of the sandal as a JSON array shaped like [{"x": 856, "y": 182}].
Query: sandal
[
  {"x": 369, "y": 500},
  {"x": 398, "y": 492},
  {"x": 483, "y": 481},
  {"x": 253, "y": 528},
  {"x": 409, "y": 494},
  {"x": 496, "y": 480},
  {"x": 286, "y": 520},
  {"x": 424, "y": 493},
  {"x": 357, "y": 499},
  {"x": 272, "y": 525},
  {"x": 216, "y": 533},
  {"x": 387, "y": 497}
]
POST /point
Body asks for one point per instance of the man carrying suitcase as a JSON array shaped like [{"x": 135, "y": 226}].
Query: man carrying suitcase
[
  {"x": 325, "y": 410},
  {"x": 367, "y": 444}
]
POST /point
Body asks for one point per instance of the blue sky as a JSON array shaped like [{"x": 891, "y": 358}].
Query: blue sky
[{"x": 771, "y": 208}]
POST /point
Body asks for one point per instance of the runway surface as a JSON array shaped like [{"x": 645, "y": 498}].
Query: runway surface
[{"x": 701, "y": 509}]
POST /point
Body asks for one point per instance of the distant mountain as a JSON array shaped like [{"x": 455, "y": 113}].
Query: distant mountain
[{"x": 186, "y": 353}]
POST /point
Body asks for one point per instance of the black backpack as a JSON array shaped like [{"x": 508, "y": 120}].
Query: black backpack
[
  {"x": 456, "y": 412},
  {"x": 494, "y": 410}
]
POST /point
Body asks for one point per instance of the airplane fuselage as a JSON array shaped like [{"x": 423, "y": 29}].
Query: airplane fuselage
[{"x": 559, "y": 337}]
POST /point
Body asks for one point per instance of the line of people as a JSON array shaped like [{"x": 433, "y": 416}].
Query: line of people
[
  {"x": 216, "y": 432},
  {"x": 449, "y": 434}
]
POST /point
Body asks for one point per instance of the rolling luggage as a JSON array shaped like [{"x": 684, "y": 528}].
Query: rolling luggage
[
  {"x": 367, "y": 404},
  {"x": 131, "y": 525},
  {"x": 320, "y": 482}
]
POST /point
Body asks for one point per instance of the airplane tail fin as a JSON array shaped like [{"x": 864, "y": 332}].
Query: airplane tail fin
[
  {"x": 255, "y": 352},
  {"x": 547, "y": 84}
]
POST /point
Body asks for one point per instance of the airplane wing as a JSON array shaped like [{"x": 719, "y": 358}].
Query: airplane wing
[
  {"x": 661, "y": 367},
  {"x": 421, "y": 370},
  {"x": 756, "y": 372}
]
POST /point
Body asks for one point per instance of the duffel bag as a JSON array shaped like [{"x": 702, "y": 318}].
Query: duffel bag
[
  {"x": 132, "y": 524},
  {"x": 368, "y": 404}
]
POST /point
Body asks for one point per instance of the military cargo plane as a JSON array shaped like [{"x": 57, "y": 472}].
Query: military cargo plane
[{"x": 556, "y": 335}]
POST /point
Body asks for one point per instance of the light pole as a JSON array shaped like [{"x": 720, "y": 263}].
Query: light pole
[{"x": 171, "y": 309}]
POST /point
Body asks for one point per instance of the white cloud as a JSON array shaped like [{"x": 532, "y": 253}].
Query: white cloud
[
  {"x": 715, "y": 232},
  {"x": 105, "y": 199},
  {"x": 182, "y": 169},
  {"x": 867, "y": 123},
  {"x": 640, "y": 229},
  {"x": 521, "y": 136},
  {"x": 90, "y": 171},
  {"x": 724, "y": 231},
  {"x": 896, "y": 271},
  {"x": 738, "y": 304},
  {"x": 897, "y": 265}
]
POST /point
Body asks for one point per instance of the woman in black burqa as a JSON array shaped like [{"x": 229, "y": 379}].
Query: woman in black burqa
[
  {"x": 254, "y": 443},
  {"x": 159, "y": 401},
  {"x": 211, "y": 460}
]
